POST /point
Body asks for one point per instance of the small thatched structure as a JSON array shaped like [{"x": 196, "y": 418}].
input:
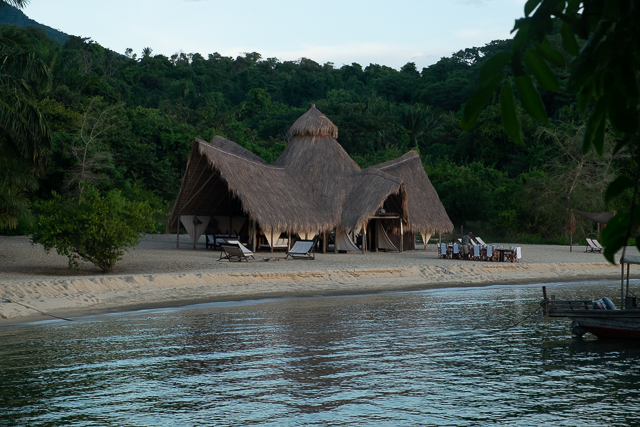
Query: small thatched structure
[{"x": 314, "y": 186}]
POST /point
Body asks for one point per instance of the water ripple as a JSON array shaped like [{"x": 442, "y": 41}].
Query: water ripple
[{"x": 463, "y": 357}]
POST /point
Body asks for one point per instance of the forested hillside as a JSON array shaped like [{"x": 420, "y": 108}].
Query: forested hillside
[
  {"x": 14, "y": 16},
  {"x": 128, "y": 122}
]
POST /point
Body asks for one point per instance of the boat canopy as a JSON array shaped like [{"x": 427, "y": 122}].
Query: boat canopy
[{"x": 630, "y": 259}]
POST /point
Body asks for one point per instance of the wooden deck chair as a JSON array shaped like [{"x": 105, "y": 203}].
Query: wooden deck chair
[
  {"x": 456, "y": 251},
  {"x": 591, "y": 247},
  {"x": 302, "y": 249},
  {"x": 489, "y": 254},
  {"x": 598, "y": 245},
  {"x": 493, "y": 253},
  {"x": 510, "y": 255},
  {"x": 443, "y": 250},
  {"x": 476, "y": 252},
  {"x": 234, "y": 250}
]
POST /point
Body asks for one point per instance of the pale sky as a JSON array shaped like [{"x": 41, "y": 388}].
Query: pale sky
[{"x": 388, "y": 33}]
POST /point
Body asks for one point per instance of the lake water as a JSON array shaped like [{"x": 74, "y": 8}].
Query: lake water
[{"x": 458, "y": 357}]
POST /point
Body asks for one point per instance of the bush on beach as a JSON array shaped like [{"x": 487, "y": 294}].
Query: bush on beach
[{"x": 91, "y": 227}]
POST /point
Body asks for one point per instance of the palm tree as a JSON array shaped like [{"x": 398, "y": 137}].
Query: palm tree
[
  {"x": 16, "y": 3},
  {"x": 25, "y": 139},
  {"x": 22, "y": 125},
  {"x": 420, "y": 120}
]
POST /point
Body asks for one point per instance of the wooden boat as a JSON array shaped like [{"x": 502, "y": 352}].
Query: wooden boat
[{"x": 589, "y": 316}]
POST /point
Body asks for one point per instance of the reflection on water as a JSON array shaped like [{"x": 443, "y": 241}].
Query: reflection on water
[{"x": 446, "y": 357}]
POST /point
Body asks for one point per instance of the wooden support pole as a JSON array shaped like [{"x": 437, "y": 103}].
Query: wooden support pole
[
  {"x": 194, "y": 231},
  {"x": 272, "y": 242},
  {"x": 325, "y": 237},
  {"x": 178, "y": 233},
  {"x": 401, "y": 237},
  {"x": 254, "y": 233},
  {"x": 622, "y": 305},
  {"x": 288, "y": 241},
  {"x": 375, "y": 238},
  {"x": 364, "y": 238},
  {"x": 335, "y": 241}
]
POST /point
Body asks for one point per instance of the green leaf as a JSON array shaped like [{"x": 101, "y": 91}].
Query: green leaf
[
  {"x": 493, "y": 66},
  {"x": 522, "y": 36},
  {"x": 617, "y": 187},
  {"x": 530, "y": 6},
  {"x": 584, "y": 97},
  {"x": 594, "y": 133},
  {"x": 550, "y": 54},
  {"x": 543, "y": 74},
  {"x": 623, "y": 118},
  {"x": 573, "y": 6},
  {"x": 569, "y": 40},
  {"x": 629, "y": 81},
  {"x": 477, "y": 102},
  {"x": 530, "y": 99},
  {"x": 509, "y": 116},
  {"x": 614, "y": 235}
]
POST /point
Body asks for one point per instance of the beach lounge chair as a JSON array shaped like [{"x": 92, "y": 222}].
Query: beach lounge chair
[
  {"x": 234, "y": 250},
  {"x": 598, "y": 245},
  {"x": 302, "y": 249},
  {"x": 591, "y": 247},
  {"x": 481, "y": 241},
  {"x": 213, "y": 241}
]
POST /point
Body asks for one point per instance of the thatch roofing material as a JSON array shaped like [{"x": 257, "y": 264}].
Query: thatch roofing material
[
  {"x": 599, "y": 217},
  {"x": 426, "y": 212},
  {"x": 264, "y": 191},
  {"x": 369, "y": 191},
  {"x": 313, "y": 123},
  {"x": 314, "y": 185}
]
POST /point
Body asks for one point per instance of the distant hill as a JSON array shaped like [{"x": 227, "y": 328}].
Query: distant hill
[{"x": 13, "y": 16}]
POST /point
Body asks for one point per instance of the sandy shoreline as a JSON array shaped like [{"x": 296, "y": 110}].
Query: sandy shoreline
[{"x": 157, "y": 274}]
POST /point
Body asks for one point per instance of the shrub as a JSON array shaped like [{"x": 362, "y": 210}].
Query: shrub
[{"x": 93, "y": 228}]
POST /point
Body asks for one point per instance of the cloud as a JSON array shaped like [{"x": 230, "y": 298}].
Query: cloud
[{"x": 391, "y": 55}]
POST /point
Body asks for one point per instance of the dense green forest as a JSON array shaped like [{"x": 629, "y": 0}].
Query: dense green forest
[{"x": 128, "y": 122}]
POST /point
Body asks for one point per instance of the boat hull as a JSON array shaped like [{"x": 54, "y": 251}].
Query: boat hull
[
  {"x": 610, "y": 326},
  {"x": 601, "y": 323}
]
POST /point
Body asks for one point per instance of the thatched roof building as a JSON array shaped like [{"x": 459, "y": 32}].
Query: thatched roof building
[{"x": 313, "y": 186}]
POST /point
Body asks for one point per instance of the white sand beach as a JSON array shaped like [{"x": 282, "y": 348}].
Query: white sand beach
[{"x": 157, "y": 274}]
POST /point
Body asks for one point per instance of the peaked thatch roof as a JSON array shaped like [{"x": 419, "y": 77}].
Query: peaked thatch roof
[
  {"x": 426, "y": 211},
  {"x": 222, "y": 181},
  {"x": 314, "y": 185},
  {"x": 313, "y": 123}
]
